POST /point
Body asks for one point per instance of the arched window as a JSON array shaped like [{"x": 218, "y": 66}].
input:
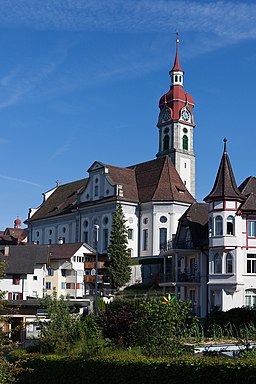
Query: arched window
[
  {"x": 185, "y": 142},
  {"x": 218, "y": 226},
  {"x": 176, "y": 78},
  {"x": 250, "y": 297},
  {"x": 229, "y": 263},
  {"x": 230, "y": 225},
  {"x": 217, "y": 263},
  {"x": 166, "y": 142}
]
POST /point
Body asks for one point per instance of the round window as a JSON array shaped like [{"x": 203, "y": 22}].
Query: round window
[
  {"x": 166, "y": 130},
  {"x": 86, "y": 223},
  {"x": 105, "y": 220},
  {"x": 163, "y": 219},
  {"x": 107, "y": 192},
  {"x": 145, "y": 221},
  {"x": 185, "y": 130}
]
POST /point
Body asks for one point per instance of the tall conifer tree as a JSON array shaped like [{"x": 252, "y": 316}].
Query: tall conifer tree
[{"x": 118, "y": 265}]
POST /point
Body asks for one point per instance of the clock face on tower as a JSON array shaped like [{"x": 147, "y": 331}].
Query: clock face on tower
[
  {"x": 166, "y": 114},
  {"x": 185, "y": 115}
]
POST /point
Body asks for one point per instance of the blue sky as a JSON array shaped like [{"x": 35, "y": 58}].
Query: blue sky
[{"x": 80, "y": 80}]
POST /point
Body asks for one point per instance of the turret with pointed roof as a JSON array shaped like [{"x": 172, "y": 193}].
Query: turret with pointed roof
[{"x": 225, "y": 184}]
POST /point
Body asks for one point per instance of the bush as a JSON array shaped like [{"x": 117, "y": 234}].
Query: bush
[{"x": 127, "y": 369}]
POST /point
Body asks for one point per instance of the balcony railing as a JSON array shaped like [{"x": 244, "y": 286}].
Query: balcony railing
[
  {"x": 92, "y": 264},
  {"x": 172, "y": 244},
  {"x": 182, "y": 277},
  {"x": 92, "y": 278}
]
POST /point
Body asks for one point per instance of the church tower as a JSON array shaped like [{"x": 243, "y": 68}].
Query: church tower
[{"x": 176, "y": 124}]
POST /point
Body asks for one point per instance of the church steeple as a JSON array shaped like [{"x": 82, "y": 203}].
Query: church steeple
[
  {"x": 176, "y": 73},
  {"x": 225, "y": 184},
  {"x": 176, "y": 123}
]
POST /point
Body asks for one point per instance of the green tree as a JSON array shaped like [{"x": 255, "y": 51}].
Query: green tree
[
  {"x": 62, "y": 330},
  {"x": 118, "y": 266},
  {"x": 163, "y": 327}
]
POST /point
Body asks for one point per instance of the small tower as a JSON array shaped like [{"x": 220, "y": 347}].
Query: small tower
[
  {"x": 224, "y": 230},
  {"x": 176, "y": 124},
  {"x": 17, "y": 222}
]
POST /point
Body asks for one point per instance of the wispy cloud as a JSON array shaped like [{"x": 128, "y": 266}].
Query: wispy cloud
[
  {"x": 17, "y": 180},
  {"x": 227, "y": 19},
  {"x": 62, "y": 149}
]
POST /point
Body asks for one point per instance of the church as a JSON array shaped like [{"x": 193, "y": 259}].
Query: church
[
  {"x": 207, "y": 250},
  {"x": 153, "y": 195}
]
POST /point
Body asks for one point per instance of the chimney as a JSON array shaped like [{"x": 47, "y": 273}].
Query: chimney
[{"x": 60, "y": 240}]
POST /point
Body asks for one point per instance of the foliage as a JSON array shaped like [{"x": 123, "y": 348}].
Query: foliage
[
  {"x": 8, "y": 370},
  {"x": 118, "y": 266},
  {"x": 61, "y": 330},
  {"x": 126, "y": 368},
  {"x": 117, "y": 321},
  {"x": 161, "y": 329}
]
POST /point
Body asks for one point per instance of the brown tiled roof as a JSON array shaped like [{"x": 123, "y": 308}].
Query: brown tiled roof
[
  {"x": 248, "y": 186},
  {"x": 17, "y": 233},
  {"x": 23, "y": 258},
  {"x": 155, "y": 180},
  {"x": 125, "y": 177},
  {"x": 65, "y": 251},
  {"x": 61, "y": 201},
  {"x": 158, "y": 180},
  {"x": 225, "y": 184},
  {"x": 196, "y": 218},
  {"x": 250, "y": 204}
]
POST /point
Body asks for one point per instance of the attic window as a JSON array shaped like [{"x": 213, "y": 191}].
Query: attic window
[{"x": 107, "y": 191}]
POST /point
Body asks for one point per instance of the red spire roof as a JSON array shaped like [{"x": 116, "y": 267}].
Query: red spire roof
[{"x": 176, "y": 65}]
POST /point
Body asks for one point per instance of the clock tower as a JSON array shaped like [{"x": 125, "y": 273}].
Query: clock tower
[{"x": 176, "y": 124}]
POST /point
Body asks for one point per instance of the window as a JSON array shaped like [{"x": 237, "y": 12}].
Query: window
[
  {"x": 86, "y": 223},
  {"x": 63, "y": 240},
  {"x": 166, "y": 142},
  {"x": 166, "y": 130},
  {"x": 86, "y": 236},
  {"x": 63, "y": 285},
  {"x": 64, "y": 229},
  {"x": 48, "y": 285},
  {"x": 218, "y": 226},
  {"x": 50, "y": 232},
  {"x": 16, "y": 280},
  {"x": 251, "y": 263},
  {"x": 16, "y": 296},
  {"x": 163, "y": 219},
  {"x": 34, "y": 277},
  {"x": 145, "y": 221},
  {"x": 105, "y": 238},
  {"x": 105, "y": 220},
  {"x": 229, "y": 263},
  {"x": 145, "y": 240},
  {"x": 217, "y": 263},
  {"x": 130, "y": 233},
  {"x": 162, "y": 238},
  {"x": 176, "y": 78},
  {"x": 210, "y": 226},
  {"x": 230, "y": 225},
  {"x": 70, "y": 286},
  {"x": 50, "y": 271},
  {"x": 250, "y": 297},
  {"x": 251, "y": 226},
  {"x": 96, "y": 191},
  {"x": 185, "y": 142}
]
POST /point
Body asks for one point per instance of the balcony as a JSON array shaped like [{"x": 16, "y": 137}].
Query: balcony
[
  {"x": 183, "y": 277},
  {"x": 92, "y": 278},
  {"x": 171, "y": 244},
  {"x": 92, "y": 264}
]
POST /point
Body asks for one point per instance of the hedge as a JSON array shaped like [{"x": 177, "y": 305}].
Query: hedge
[{"x": 138, "y": 369}]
